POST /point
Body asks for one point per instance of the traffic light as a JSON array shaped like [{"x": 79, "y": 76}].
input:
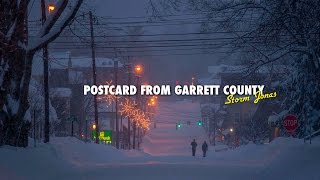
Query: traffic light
[
  {"x": 199, "y": 123},
  {"x": 178, "y": 125}
]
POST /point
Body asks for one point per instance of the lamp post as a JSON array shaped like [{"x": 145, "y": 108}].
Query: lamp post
[
  {"x": 138, "y": 70},
  {"x": 51, "y": 8}
]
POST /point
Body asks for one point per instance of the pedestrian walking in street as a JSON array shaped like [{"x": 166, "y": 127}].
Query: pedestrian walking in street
[
  {"x": 204, "y": 148},
  {"x": 194, "y": 147}
]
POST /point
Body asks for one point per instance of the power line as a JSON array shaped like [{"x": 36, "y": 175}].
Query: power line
[
  {"x": 165, "y": 34},
  {"x": 168, "y": 54},
  {"x": 110, "y": 46}
]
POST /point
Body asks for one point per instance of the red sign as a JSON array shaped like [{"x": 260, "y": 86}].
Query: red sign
[{"x": 290, "y": 122}]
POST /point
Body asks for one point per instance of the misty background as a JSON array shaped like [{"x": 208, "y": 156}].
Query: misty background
[{"x": 182, "y": 57}]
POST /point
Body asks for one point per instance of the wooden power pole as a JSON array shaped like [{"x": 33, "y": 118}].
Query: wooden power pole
[
  {"x": 45, "y": 80},
  {"x": 94, "y": 75},
  {"x": 117, "y": 120},
  {"x": 129, "y": 123}
]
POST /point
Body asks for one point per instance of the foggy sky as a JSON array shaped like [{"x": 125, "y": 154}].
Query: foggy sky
[{"x": 164, "y": 68}]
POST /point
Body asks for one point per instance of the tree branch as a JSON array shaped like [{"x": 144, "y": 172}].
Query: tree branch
[
  {"x": 52, "y": 19},
  {"x": 54, "y": 32}
]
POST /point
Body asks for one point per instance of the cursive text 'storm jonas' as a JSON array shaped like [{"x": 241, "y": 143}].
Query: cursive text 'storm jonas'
[
  {"x": 231, "y": 99},
  {"x": 259, "y": 96}
]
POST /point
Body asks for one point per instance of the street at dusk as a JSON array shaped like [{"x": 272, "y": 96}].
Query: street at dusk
[{"x": 159, "y": 90}]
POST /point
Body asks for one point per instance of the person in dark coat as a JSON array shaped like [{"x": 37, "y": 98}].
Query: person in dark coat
[
  {"x": 204, "y": 148},
  {"x": 194, "y": 147}
]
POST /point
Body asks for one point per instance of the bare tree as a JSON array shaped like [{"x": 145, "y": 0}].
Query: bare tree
[
  {"x": 270, "y": 32},
  {"x": 17, "y": 51}
]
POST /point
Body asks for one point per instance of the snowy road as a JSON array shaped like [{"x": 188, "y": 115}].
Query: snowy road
[
  {"x": 166, "y": 140},
  {"x": 170, "y": 172},
  {"x": 166, "y": 156}
]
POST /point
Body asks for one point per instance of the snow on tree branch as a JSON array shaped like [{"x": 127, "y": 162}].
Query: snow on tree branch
[
  {"x": 49, "y": 32},
  {"x": 52, "y": 18}
]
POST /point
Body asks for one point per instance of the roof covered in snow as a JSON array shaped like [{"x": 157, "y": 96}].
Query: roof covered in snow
[
  {"x": 214, "y": 70},
  {"x": 226, "y": 69},
  {"x": 209, "y": 80},
  {"x": 82, "y": 62},
  {"x": 58, "y": 60}
]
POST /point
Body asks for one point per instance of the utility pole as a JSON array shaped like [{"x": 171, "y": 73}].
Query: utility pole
[
  {"x": 94, "y": 75},
  {"x": 135, "y": 123},
  {"x": 129, "y": 123},
  {"x": 45, "y": 80},
  {"x": 117, "y": 120}
]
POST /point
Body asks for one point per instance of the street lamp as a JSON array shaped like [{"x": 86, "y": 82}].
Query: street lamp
[
  {"x": 231, "y": 129},
  {"x": 94, "y": 127},
  {"x": 138, "y": 69},
  {"x": 51, "y": 8}
]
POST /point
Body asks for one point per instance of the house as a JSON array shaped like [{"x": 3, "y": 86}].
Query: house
[
  {"x": 67, "y": 75},
  {"x": 232, "y": 120}
]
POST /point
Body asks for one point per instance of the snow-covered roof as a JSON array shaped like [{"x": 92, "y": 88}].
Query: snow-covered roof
[
  {"x": 61, "y": 92},
  {"x": 214, "y": 70},
  {"x": 58, "y": 60},
  {"x": 209, "y": 80},
  {"x": 277, "y": 117},
  {"x": 225, "y": 69},
  {"x": 82, "y": 62}
]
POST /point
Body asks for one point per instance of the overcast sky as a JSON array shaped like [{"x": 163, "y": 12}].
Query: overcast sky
[{"x": 166, "y": 68}]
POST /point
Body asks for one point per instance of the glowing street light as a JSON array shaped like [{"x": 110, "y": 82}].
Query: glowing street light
[
  {"x": 94, "y": 126},
  {"x": 138, "y": 69},
  {"x": 231, "y": 129},
  {"x": 51, "y": 8},
  {"x": 152, "y": 101}
]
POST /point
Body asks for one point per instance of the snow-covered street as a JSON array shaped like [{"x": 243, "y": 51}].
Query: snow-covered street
[
  {"x": 166, "y": 155},
  {"x": 159, "y": 90}
]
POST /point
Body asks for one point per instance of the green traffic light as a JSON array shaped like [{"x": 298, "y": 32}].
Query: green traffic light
[
  {"x": 200, "y": 123},
  {"x": 179, "y": 125}
]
